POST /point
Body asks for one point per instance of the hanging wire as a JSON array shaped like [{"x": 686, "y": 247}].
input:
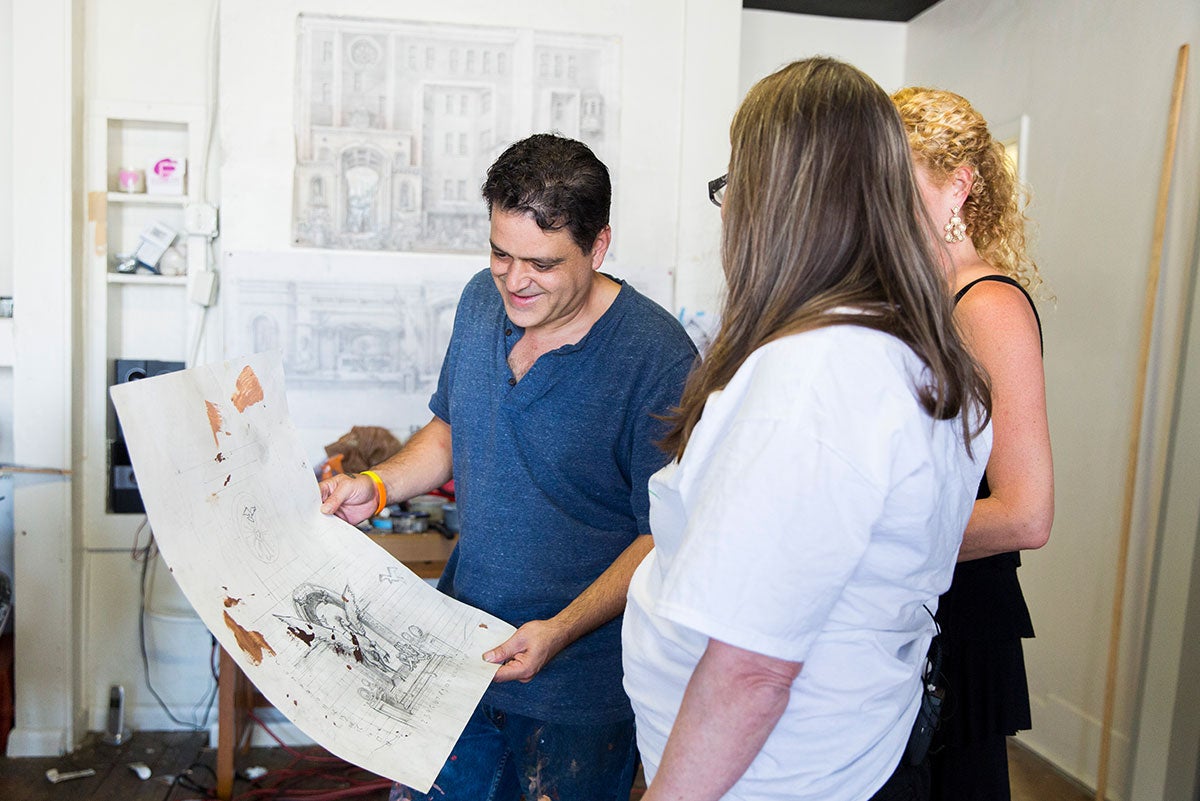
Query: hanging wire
[{"x": 146, "y": 555}]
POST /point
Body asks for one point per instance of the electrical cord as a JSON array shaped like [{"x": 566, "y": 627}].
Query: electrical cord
[
  {"x": 349, "y": 780},
  {"x": 145, "y": 555}
]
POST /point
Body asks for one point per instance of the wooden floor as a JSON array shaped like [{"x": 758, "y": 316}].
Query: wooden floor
[{"x": 171, "y": 755}]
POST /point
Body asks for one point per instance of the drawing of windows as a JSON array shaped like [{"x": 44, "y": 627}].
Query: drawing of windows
[
  {"x": 430, "y": 58},
  {"x": 558, "y": 66},
  {"x": 412, "y": 57},
  {"x": 462, "y": 144},
  {"x": 470, "y": 61},
  {"x": 462, "y": 190},
  {"x": 316, "y": 193},
  {"x": 591, "y": 116},
  {"x": 572, "y": 69},
  {"x": 327, "y": 51},
  {"x": 564, "y": 112},
  {"x": 404, "y": 198},
  {"x": 448, "y": 190},
  {"x": 449, "y": 144},
  {"x": 449, "y": 104},
  {"x": 454, "y": 60},
  {"x": 502, "y": 63},
  {"x": 544, "y": 66},
  {"x": 462, "y": 105}
]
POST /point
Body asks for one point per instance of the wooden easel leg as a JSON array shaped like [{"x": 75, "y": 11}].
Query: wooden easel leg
[{"x": 227, "y": 728}]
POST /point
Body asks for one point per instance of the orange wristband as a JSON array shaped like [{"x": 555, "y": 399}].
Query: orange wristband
[{"x": 380, "y": 490}]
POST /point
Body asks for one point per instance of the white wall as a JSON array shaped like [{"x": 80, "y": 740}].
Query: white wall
[
  {"x": 1094, "y": 79},
  {"x": 771, "y": 39}
]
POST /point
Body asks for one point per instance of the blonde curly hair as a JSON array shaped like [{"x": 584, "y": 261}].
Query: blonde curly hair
[{"x": 946, "y": 132}]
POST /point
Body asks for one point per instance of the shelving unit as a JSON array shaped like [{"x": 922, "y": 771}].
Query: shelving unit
[{"x": 131, "y": 315}]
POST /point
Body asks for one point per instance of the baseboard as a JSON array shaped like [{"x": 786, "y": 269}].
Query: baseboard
[
  {"x": 24, "y": 742},
  {"x": 1069, "y": 739}
]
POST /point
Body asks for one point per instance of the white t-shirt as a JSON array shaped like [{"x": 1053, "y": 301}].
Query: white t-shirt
[{"x": 816, "y": 510}]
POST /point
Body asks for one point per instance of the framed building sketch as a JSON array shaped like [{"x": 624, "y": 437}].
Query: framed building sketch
[{"x": 396, "y": 123}]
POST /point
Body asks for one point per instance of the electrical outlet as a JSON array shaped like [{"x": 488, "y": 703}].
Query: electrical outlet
[{"x": 200, "y": 219}]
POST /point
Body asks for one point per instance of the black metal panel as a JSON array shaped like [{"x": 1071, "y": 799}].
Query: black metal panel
[{"x": 886, "y": 10}]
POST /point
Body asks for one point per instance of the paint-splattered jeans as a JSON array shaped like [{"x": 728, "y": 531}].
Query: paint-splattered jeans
[{"x": 507, "y": 757}]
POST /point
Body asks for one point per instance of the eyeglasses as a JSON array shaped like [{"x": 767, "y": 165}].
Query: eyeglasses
[{"x": 716, "y": 189}]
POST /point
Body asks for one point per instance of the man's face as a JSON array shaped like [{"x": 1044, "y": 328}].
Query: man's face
[{"x": 543, "y": 276}]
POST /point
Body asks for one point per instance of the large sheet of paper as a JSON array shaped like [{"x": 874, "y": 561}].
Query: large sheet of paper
[{"x": 359, "y": 653}]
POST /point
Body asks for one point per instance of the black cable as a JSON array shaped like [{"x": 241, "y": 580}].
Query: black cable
[
  {"x": 184, "y": 779},
  {"x": 146, "y": 555}
]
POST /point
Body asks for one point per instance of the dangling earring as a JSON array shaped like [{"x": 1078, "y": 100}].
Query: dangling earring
[{"x": 956, "y": 230}]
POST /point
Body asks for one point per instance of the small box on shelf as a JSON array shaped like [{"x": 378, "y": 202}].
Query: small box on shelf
[{"x": 166, "y": 175}]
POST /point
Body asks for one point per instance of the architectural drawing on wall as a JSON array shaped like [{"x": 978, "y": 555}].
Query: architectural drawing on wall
[
  {"x": 397, "y": 122},
  {"x": 359, "y": 653},
  {"x": 348, "y": 329}
]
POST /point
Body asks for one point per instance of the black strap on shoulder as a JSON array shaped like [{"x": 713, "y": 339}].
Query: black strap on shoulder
[{"x": 1004, "y": 279}]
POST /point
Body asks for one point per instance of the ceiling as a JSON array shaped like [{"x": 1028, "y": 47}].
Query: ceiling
[{"x": 888, "y": 10}]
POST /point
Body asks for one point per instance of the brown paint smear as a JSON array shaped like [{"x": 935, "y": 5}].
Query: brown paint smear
[
  {"x": 231, "y": 602},
  {"x": 252, "y": 643},
  {"x": 214, "y": 420},
  {"x": 249, "y": 391}
]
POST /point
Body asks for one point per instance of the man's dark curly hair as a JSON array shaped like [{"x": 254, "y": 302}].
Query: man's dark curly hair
[{"x": 557, "y": 180}]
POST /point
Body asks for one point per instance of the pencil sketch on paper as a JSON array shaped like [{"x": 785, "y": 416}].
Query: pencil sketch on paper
[
  {"x": 359, "y": 653},
  {"x": 400, "y": 666},
  {"x": 358, "y": 342},
  {"x": 389, "y": 335},
  {"x": 397, "y": 122}
]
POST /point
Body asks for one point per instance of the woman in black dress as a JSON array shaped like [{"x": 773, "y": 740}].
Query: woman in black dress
[{"x": 974, "y": 202}]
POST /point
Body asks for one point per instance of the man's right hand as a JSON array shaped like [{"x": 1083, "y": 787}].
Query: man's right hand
[{"x": 352, "y": 497}]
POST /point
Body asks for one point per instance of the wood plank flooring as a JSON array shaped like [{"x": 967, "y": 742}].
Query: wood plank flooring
[{"x": 169, "y": 754}]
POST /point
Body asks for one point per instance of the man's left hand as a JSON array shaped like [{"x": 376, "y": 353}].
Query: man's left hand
[{"x": 525, "y": 653}]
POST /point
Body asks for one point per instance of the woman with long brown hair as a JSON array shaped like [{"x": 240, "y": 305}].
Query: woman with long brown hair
[
  {"x": 974, "y": 203},
  {"x": 827, "y": 453}
]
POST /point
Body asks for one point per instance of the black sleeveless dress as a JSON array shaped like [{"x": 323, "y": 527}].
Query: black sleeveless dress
[{"x": 983, "y": 618}]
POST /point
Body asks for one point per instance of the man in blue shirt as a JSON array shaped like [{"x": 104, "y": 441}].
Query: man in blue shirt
[{"x": 546, "y": 414}]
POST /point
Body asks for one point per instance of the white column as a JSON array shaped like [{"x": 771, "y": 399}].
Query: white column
[{"x": 45, "y": 155}]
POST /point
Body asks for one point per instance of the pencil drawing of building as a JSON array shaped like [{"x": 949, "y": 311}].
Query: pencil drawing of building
[{"x": 397, "y": 122}]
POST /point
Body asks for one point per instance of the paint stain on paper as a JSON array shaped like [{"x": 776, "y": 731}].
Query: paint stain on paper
[
  {"x": 303, "y": 636},
  {"x": 214, "y": 419},
  {"x": 248, "y": 391},
  {"x": 252, "y": 643},
  {"x": 231, "y": 602}
]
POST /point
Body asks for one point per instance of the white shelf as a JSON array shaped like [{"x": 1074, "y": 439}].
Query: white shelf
[
  {"x": 143, "y": 199},
  {"x": 148, "y": 280}
]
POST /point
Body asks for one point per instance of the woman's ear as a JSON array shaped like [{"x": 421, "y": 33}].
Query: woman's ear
[{"x": 961, "y": 181}]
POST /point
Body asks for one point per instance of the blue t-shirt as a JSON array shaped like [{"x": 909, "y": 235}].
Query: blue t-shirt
[{"x": 551, "y": 475}]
